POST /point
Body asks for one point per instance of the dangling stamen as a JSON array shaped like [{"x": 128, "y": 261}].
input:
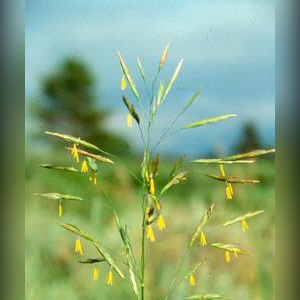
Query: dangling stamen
[
  {"x": 123, "y": 83},
  {"x": 245, "y": 226},
  {"x": 75, "y": 153},
  {"x": 228, "y": 192},
  {"x": 95, "y": 273},
  {"x": 84, "y": 167},
  {"x": 192, "y": 280},
  {"x": 222, "y": 170},
  {"x": 60, "y": 211},
  {"x": 227, "y": 256},
  {"x": 161, "y": 223},
  {"x": 152, "y": 186},
  {"x": 129, "y": 120},
  {"x": 150, "y": 234},
  {"x": 203, "y": 239},
  {"x": 110, "y": 278},
  {"x": 78, "y": 248}
]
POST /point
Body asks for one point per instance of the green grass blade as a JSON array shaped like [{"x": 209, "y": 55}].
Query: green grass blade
[
  {"x": 207, "y": 297},
  {"x": 91, "y": 260},
  {"x": 172, "y": 80},
  {"x": 204, "y": 219},
  {"x": 229, "y": 247},
  {"x": 128, "y": 77},
  {"x": 74, "y": 229},
  {"x": 250, "y": 154},
  {"x": 221, "y": 161},
  {"x": 192, "y": 99},
  {"x": 231, "y": 179},
  {"x": 58, "y": 168},
  {"x": 76, "y": 141},
  {"x": 208, "y": 121},
  {"x": 160, "y": 93},
  {"x": 243, "y": 217},
  {"x": 141, "y": 69},
  {"x": 180, "y": 177},
  {"x": 96, "y": 244},
  {"x": 131, "y": 109},
  {"x": 108, "y": 258},
  {"x": 94, "y": 156},
  {"x": 164, "y": 56},
  {"x": 57, "y": 196}
]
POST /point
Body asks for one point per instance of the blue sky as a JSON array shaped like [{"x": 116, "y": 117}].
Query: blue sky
[{"x": 228, "y": 49}]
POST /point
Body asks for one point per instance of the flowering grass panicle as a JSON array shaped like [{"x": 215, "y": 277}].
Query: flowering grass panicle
[{"x": 153, "y": 191}]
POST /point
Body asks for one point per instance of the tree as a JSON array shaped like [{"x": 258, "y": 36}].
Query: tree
[
  {"x": 250, "y": 139},
  {"x": 69, "y": 104}
]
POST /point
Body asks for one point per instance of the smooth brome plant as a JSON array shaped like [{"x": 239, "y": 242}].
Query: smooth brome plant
[{"x": 89, "y": 156}]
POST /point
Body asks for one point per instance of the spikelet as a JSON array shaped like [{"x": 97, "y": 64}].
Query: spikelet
[
  {"x": 141, "y": 68},
  {"x": 128, "y": 77},
  {"x": 163, "y": 56},
  {"x": 243, "y": 219}
]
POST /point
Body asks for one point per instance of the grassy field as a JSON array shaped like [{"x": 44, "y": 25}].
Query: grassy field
[{"x": 52, "y": 268}]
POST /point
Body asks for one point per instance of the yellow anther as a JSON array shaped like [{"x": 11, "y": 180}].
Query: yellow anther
[
  {"x": 60, "y": 211},
  {"x": 203, "y": 239},
  {"x": 75, "y": 153},
  {"x": 123, "y": 83},
  {"x": 110, "y": 278},
  {"x": 228, "y": 192},
  {"x": 78, "y": 248},
  {"x": 152, "y": 186},
  {"x": 84, "y": 167},
  {"x": 192, "y": 280},
  {"x": 161, "y": 223},
  {"x": 95, "y": 273},
  {"x": 227, "y": 256},
  {"x": 222, "y": 170},
  {"x": 235, "y": 252},
  {"x": 150, "y": 234},
  {"x": 245, "y": 226},
  {"x": 129, "y": 120}
]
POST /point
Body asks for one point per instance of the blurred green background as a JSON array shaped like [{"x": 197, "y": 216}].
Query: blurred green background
[
  {"x": 70, "y": 50},
  {"x": 52, "y": 268}
]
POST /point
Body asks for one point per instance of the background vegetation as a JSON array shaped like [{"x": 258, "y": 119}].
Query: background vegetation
[{"x": 52, "y": 269}]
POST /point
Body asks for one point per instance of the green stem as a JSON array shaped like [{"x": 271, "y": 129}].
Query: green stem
[
  {"x": 165, "y": 133},
  {"x": 143, "y": 256}
]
